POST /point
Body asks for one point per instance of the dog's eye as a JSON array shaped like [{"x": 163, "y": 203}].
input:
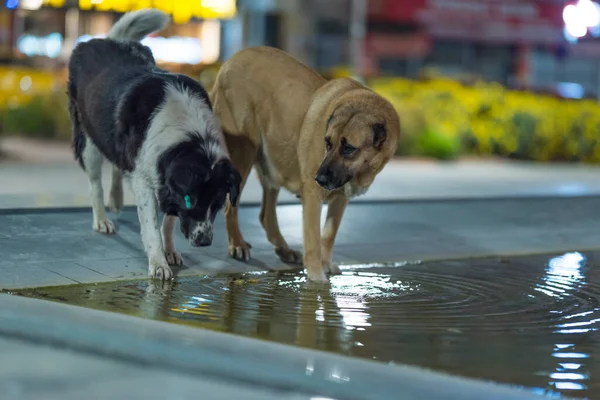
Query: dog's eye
[
  {"x": 328, "y": 144},
  {"x": 347, "y": 150}
]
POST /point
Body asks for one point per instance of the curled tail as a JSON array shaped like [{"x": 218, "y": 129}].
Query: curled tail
[{"x": 136, "y": 25}]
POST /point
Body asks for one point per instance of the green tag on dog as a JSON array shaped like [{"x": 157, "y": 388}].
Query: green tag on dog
[{"x": 188, "y": 202}]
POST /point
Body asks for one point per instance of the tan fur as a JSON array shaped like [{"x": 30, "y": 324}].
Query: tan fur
[{"x": 274, "y": 112}]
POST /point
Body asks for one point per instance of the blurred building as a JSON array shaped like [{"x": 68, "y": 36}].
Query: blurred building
[
  {"x": 314, "y": 31},
  {"x": 516, "y": 42},
  {"x": 43, "y": 32},
  {"x": 519, "y": 43}
]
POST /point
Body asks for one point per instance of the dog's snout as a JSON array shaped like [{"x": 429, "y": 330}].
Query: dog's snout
[
  {"x": 203, "y": 241},
  {"x": 322, "y": 178},
  {"x": 327, "y": 179},
  {"x": 202, "y": 236},
  {"x": 332, "y": 177}
]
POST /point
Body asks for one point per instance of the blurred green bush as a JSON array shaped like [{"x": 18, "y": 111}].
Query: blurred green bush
[
  {"x": 44, "y": 116},
  {"x": 440, "y": 118},
  {"x": 487, "y": 119}
]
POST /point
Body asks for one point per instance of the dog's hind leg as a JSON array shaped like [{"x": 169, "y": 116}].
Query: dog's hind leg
[
  {"x": 115, "y": 197},
  {"x": 93, "y": 160},
  {"x": 268, "y": 219},
  {"x": 268, "y": 213},
  {"x": 90, "y": 160}
]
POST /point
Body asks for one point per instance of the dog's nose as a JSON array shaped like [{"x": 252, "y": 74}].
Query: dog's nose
[
  {"x": 202, "y": 240},
  {"x": 322, "y": 178},
  {"x": 205, "y": 241}
]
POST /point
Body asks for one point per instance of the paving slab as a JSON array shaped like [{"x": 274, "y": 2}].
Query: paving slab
[
  {"x": 34, "y": 371},
  {"x": 54, "y": 247}
]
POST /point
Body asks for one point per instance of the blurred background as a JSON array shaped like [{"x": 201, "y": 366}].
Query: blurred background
[{"x": 516, "y": 79}]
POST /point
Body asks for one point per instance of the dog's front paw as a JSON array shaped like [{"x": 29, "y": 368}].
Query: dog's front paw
[
  {"x": 317, "y": 276},
  {"x": 316, "y": 273},
  {"x": 240, "y": 252},
  {"x": 173, "y": 258},
  {"x": 288, "y": 255},
  {"x": 104, "y": 226},
  {"x": 159, "y": 269},
  {"x": 331, "y": 268}
]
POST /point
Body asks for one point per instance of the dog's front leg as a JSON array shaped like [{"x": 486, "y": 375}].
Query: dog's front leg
[
  {"x": 147, "y": 210},
  {"x": 168, "y": 226},
  {"x": 335, "y": 212},
  {"x": 311, "y": 216}
]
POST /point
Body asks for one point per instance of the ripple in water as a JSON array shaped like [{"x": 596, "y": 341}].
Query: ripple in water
[{"x": 525, "y": 321}]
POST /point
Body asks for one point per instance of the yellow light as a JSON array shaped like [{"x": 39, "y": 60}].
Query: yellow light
[
  {"x": 140, "y": 4},
  {"x": 54, "y": 3},
  {"x": 121, "y": 6},
  {"x": 85, "y": 4},
  {"x": 181, "y": 10},
  {"x": 222, "y": 9}
]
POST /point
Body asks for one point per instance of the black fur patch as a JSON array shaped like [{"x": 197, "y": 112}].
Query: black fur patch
[
  {"x": 78, "y": 139},
  {"x": 114, "y": 90},
  {"x": 379, "y": 135},
  {"x": 188, "y": 170}
]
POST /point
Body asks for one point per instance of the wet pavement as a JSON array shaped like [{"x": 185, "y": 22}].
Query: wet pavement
[
  {"x": 58, "y": 247},
  {"x": 53, "y": 350},
  {"x": 528, "y": 321}
]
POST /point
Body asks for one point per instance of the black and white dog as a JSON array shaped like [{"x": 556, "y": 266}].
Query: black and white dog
[{"x": 158, "y": 131}]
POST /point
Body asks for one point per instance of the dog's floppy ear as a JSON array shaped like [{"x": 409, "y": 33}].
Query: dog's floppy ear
[
  {"x": 379, "y": 135},
  {"x": 232, "y": 177}
]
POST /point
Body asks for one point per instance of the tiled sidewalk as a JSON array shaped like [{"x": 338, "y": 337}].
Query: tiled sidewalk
[{"x": 43, "y": 248}]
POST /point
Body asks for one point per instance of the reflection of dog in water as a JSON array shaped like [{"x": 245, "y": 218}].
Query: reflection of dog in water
[
  {"x": 306, "y": 315},
  {"x": 260, "y": 310},
  {"x": 320, "y": 324}
]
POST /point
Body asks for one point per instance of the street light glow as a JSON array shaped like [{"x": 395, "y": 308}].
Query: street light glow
[{"x": 580, "y": 18}]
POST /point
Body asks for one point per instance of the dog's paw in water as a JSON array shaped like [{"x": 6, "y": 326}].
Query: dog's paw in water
[
  {"x": 316, "y": 275},
  {"x": 240, "y": 253},
  {"x": 174, "y": 258},
  {"x": 159, "y": 270},
  {"x": 331, "y": 268},
  {"x": 288, "y": 255},
  {"x": 104, "y": 226}
]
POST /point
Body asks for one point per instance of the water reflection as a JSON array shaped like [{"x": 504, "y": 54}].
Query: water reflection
[
  {"x": 563, "y": 274},
  {"x": 523, "y": 321},
  {"x": 564, "y": 279}
]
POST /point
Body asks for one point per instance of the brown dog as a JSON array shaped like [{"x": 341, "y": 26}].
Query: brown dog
[{"x": 321, "y": 140}]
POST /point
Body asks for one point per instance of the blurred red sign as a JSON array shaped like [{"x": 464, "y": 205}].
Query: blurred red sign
[
  {"x": 395, "y": 10},
  {"x": 516, "y": 10},
  {"x": 502, "y": 20},
  {"x": 395, "y": 45}
]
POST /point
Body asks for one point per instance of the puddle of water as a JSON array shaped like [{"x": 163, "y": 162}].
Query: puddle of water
[{"x": 524, "y": 321}]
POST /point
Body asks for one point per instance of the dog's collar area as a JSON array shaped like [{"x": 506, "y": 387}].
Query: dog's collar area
[{"x": 188, "y": 201}]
